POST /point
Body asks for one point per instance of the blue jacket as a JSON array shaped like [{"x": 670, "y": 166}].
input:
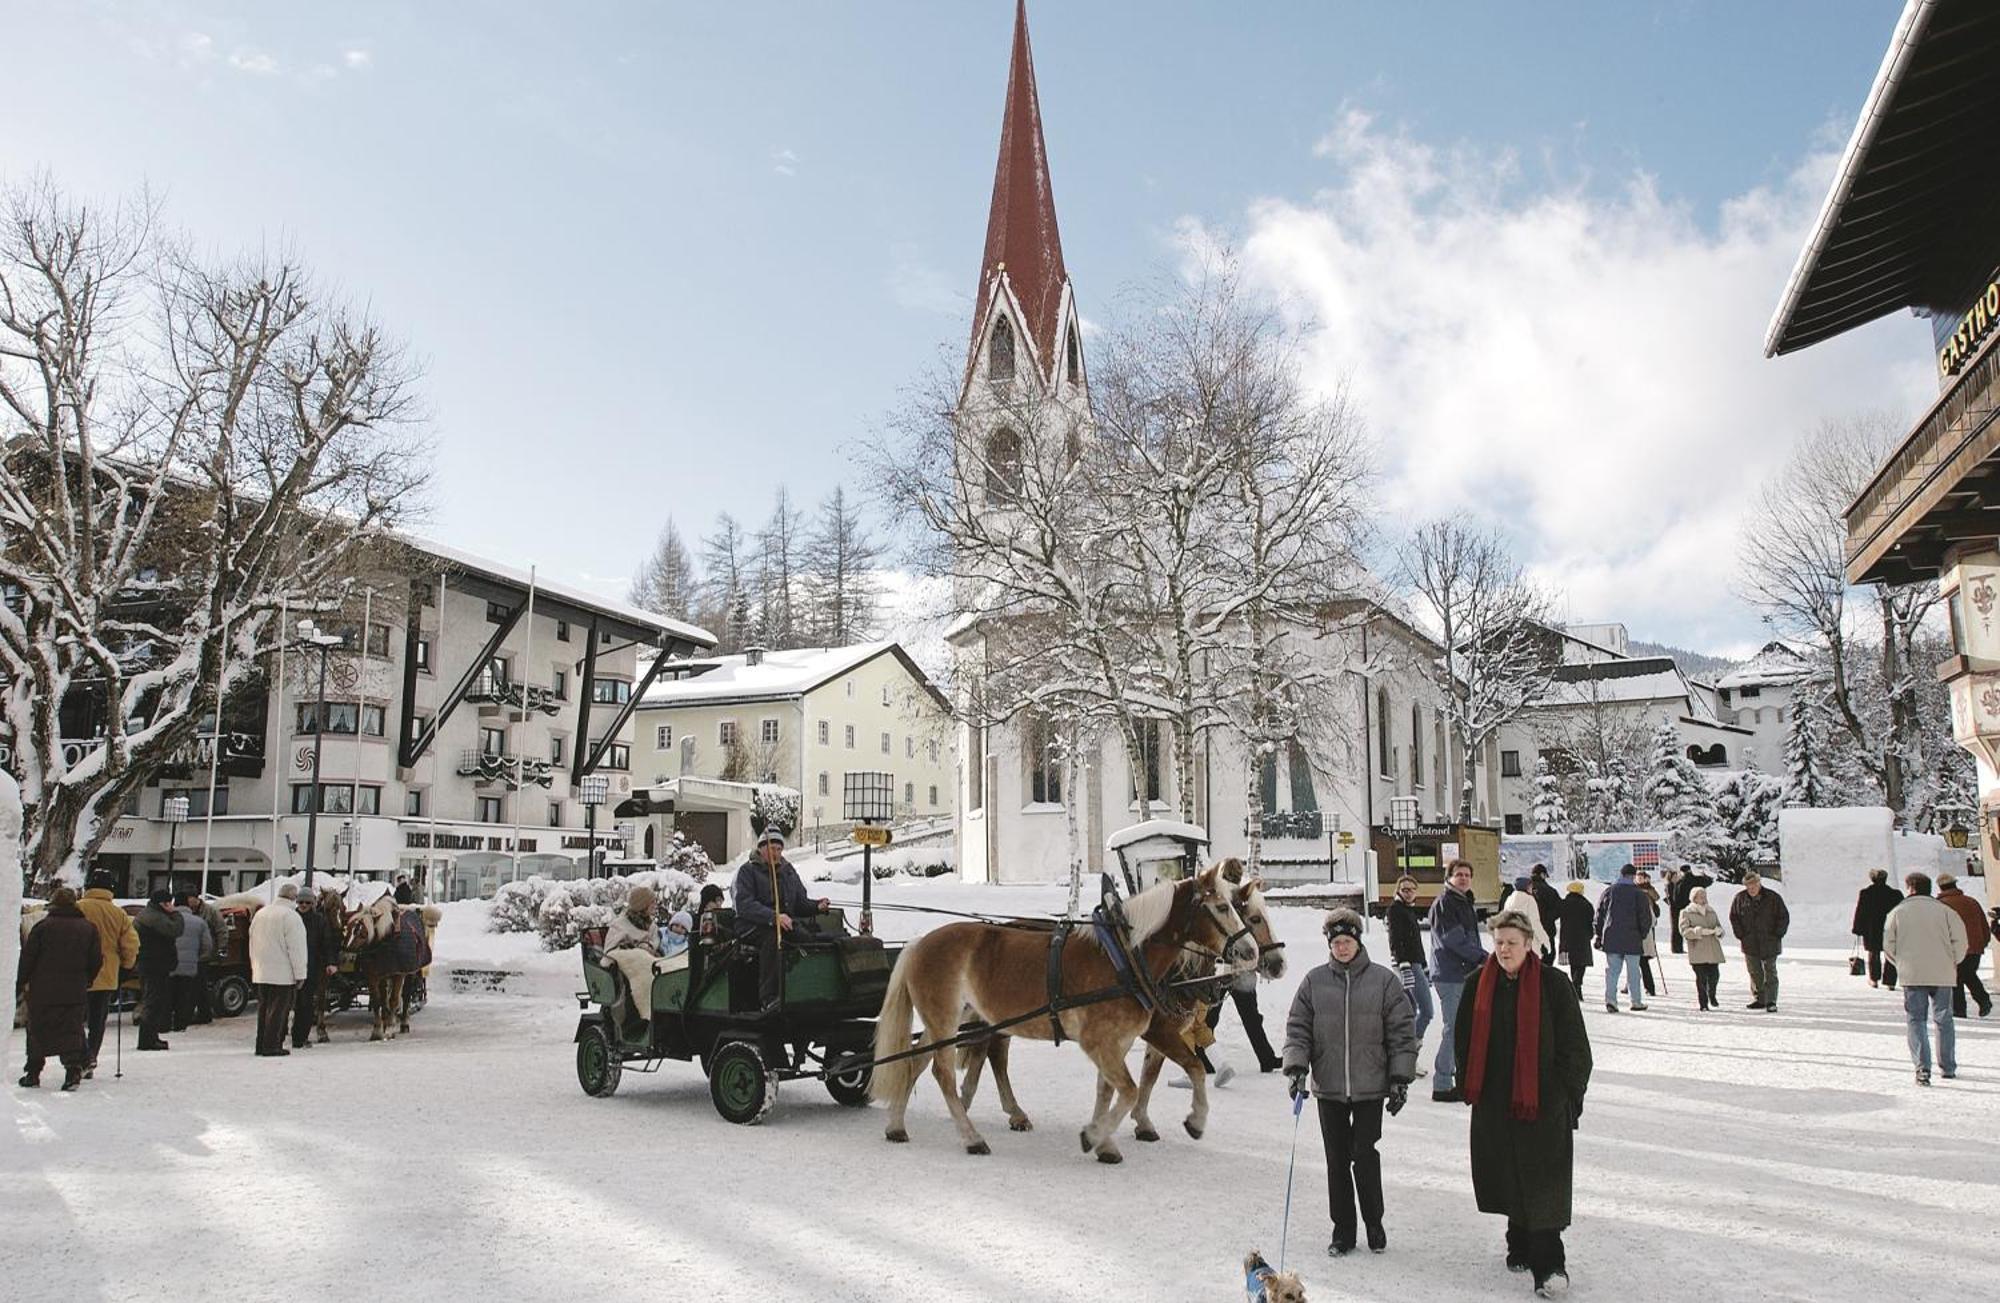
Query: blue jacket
[
  {"x": 1624, "y": 919},
  {"x": 752, "y": 896},
  {"x": 1456, "y": 950}
]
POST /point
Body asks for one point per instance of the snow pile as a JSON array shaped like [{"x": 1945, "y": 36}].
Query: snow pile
[
  {"x": 10, "y": 896},
  {"x": 559, "y": 910},
  {"x": 916, "y": 862}
]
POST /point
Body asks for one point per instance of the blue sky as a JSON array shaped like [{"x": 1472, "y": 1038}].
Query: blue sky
[{"x": 659, "y": 257}]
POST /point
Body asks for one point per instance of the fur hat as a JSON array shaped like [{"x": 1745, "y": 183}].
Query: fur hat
[
  {"x": 641, "y": 900},
  {"x": 1342, "y": 923}
]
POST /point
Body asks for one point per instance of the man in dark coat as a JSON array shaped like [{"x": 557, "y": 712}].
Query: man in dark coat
[
  {"x": 1872, "y": 908},
  {"x": 1523, "y": 1167},
  {"x": 763, "y": 914},
  {"x": 1624, "y": 918},
  {"x": 59, "y": 960},
  {"x": 159, "y": 927},
  {"x": 1760, "y": 920},
  {"x": 1456, "y": 953},
  {"x": 322, "y": 958},
  {"x": 1678, "y": 892},
  {"x": 1548, "y": 901}
]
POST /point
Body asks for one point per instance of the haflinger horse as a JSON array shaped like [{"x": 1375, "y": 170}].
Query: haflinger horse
[
  {"x": 389, "y": 945},
  {"x": 1001, "y": 973},
  {"x": 1170, "y": 1034}
]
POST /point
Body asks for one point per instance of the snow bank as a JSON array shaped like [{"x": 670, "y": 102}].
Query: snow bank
[
  {"x": 10, "y": 902},
  {"x": 1827, "y": 855}
]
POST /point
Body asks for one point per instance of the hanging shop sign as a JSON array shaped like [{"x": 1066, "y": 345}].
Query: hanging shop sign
[{"x": 1973, "y": 327}]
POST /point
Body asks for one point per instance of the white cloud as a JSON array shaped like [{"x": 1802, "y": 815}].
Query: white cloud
[
  {"x": 198, "y": 47},
  {"x": 1584, "y": 368},
  {"x": 255, "y": 62},
  {"x": 357, "y": 59},
  {"x": 784, "y": 162}
]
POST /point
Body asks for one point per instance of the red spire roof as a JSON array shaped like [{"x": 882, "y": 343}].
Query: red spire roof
[{"x": 1021, "y": 236}]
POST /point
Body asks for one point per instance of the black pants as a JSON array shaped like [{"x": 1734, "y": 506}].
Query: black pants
[
  {"x": 274, "y": 1013},
  {"x": 1253, "y": 1026},
  {"x": 1968, "y": 980},
  {"x": 1541, "y": 1252},
  {"x": 204, "y": 986},
  {"x": 1881, "y": 970},
  {"x": 1577, "y": 968},
  {"x": 1674, "y": 931},
  {"x": 184, "y": 1000},
  {"x": 1705, "y": 978},
  {"x": 770, "y": 971},
  {"x": 305, "y": 1008},
  {"x": 99, "y": 1013},
  {"x": 1646, "y": 973},
  {"x": 156, "y": 1007},
  {"x": 1350, "y": 1133}
]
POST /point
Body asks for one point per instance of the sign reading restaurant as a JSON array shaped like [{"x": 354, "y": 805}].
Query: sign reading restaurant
[
  {"x": 451, "y": 841},
  {"x": 1972, "y": 327}
]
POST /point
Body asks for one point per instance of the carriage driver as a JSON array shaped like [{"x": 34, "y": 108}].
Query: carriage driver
[{"x": 759, "y": 917}]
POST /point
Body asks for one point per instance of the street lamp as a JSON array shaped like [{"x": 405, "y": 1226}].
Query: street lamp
[
  {"x": 310, "y": 635},
  {"x": 868, "y": 800},
  {"x": 174, "y": 809},
  {"x": 595, "y": 788},
  {"x": 1405, "y": 817},
  {"x": 346, "y": 837}
]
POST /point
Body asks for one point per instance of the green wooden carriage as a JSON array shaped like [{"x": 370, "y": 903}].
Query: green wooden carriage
[{"x": 708, "y": 1012}]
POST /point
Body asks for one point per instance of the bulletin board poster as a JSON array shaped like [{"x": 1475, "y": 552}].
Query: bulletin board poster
[
  {"x": 1520, "y": 854},
  {"x": 1606, "y": 858}
]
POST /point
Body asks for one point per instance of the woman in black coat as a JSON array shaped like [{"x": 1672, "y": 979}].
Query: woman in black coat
[
  {"x": 1871, "y": 911},
  {"x": 1579, "y": 923},
  {"x": 59, "y": 960},
  {"x": 1525, "y": 1083}
]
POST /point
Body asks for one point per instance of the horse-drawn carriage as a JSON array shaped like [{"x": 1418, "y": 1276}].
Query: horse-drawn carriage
[{"x": 707, "y": 1009}]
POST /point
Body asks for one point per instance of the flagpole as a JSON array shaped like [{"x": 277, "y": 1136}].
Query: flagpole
[
  {"x": 275, "y": 763},
  {"x": 520, "y": 756},
  {"x": 430, "y": 852},
  {"x": 214, "y": 757},
  {"x": 360, "y": 704}
]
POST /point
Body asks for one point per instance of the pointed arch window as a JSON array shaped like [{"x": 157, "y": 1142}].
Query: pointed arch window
[
  {"x": 1000, "y": 351},
  {"x": 1073, "y": 357},
  {"x": 1003, "y": 465}
]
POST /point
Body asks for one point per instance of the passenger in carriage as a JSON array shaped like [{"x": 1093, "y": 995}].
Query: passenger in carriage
[
  {"x": 674, "y": 936},
  {"x": 632, "y": 943}
]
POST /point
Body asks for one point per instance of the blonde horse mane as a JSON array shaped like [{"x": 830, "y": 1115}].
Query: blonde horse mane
[{"x": 1147, "y": 912}]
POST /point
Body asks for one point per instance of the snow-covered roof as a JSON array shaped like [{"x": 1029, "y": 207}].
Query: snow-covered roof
[
  {"x": 1775, "y": 663},
  {"x": 1169, "y": 830},
  {"x": 676, "y": 629},
  {"x": 777, "y": 675}
]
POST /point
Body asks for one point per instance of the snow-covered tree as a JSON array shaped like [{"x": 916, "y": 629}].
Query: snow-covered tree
[
  {"x": 728, "y": 595},
  {"x": 1550, "y": 810},
  {"x": 843, "y": 560},
  {"x": 1676, "y": 800},
  {"x": 1806, "y": 781},
  {"x": 185, "y": 445},
  {"x": 781, "y": 575},
  {"x": 667, "y": 583}
]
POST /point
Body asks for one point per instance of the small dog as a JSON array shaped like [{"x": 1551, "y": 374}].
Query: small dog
[{"x": 1263, "y": 1284}]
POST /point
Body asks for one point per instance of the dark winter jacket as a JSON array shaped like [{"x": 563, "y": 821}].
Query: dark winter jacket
[
  {"x": 1524, "y": 1169},
  {"x": 1406, "y": 934},
  {"x": 1353, "y": 1026},
  {"x": 218, "y": 929},
  {"x": 159, "y": 941},
  {"x": 1684, "y": 885},
  {"x": 754, "y": 906},
  {"x": 322, "y": 942},
  {"x": 1760, "y": 923},
  {"x": 194, "y": 947},
  {"x": 405, "y": 894},
  {"x": 1579, "y": 925},
  {"x": 1456, "y": 950},
  {"x": 1871, "y": 910},
  {"x": 1624, "y": 919},
  {"x": 59, "y": 960},
  {"x": 1548, "y": 903},
  {"x": 1977, "y": 933}
]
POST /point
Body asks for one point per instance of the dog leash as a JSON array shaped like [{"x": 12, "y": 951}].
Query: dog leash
[{"x": 1284, "y": 1231}]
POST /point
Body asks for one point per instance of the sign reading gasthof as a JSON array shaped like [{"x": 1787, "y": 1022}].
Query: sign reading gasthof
[{"x": 1972, "y": 327}]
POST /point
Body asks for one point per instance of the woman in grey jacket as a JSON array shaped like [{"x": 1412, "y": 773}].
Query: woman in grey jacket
[{"x": 1353, "y": 1031}]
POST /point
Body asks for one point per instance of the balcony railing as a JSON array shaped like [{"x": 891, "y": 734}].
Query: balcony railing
[
  {"x": 242, "y": 755},
  {"x": 500, "y": 767},
  {"x": 491, "y": 689},
  {"x": 1928, "y": 453},
  {"x": 1306, "y": 824}
]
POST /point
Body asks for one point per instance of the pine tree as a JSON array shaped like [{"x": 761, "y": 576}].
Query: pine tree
[
  {"x": 1550, "y": 811},
  {"x": 1805, "y": 752},
  {"x": 842, "y": 559},
  {"x": 726, "y": 599},
  {"x": 1677, "y": 801},
  {"x": 780, "y": 574},
  {"x": 667, "y": 583}
]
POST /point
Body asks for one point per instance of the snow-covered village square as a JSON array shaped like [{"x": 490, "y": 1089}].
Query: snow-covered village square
[{"x": 1398, "y": 698}]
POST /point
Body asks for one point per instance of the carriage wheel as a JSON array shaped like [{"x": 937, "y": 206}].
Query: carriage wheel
[
  {"x": 744, "y": 1090},
  {"x": 598, "y": 1068},
  {"x": 850, "y": 1088},
  {"x": 232, "y": 996}
]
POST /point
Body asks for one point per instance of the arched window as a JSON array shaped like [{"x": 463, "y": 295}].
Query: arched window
[
  {"x": 1073, "y": 357},
  {"x": 1000, "y": 351},
  {"x": 1003, "y": 465},
  {"x": 1711, "y": 757}
]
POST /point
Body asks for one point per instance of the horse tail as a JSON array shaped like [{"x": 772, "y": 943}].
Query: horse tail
[{"x": 892, "y": 1081}]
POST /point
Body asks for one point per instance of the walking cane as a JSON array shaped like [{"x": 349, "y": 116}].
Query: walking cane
[{"x": 118, "y": 1045}]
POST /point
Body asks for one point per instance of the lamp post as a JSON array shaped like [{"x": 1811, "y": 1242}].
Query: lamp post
[
  {"x": 310, "y": 636},
  {"x": 867, "y": 800},
  {"x": 174, "y": 809},
  {"x": 595, "y": 788},
  {"x": 346, "y": 837},
  {"x": 1404, "y": 818}
]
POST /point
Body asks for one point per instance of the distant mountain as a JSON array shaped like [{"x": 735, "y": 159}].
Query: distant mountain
[{"x": 1696, "y": 665}]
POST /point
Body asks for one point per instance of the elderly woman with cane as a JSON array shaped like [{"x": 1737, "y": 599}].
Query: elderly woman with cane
[{"x": 1527, "y": 1065}]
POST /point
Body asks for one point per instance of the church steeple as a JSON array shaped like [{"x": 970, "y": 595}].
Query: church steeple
[{"x": 1023, "y": 259}]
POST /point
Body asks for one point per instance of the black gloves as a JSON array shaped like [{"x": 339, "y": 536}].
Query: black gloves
[
  {"x": 1399, "y": 1095},
  {"x": 1298, "y": 1079}
]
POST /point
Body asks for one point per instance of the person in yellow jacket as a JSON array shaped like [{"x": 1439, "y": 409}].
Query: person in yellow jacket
[{"x": 118, "y": 941}]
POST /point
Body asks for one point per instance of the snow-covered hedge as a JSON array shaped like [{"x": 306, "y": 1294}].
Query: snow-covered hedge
[
  {"x": 684, "y": 856},
  {"x": 777, "y": 807},
  {"x": 916, "y": 862},
  {"x": 559, "y": 911}
]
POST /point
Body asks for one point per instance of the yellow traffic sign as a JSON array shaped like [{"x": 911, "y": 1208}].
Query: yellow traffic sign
[
  {"x": 1346, "y": 839},
  {"x": 866, "y": 836}
]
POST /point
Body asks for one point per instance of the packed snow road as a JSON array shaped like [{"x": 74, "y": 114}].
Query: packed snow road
[{"x": 1726, "y": 1155}]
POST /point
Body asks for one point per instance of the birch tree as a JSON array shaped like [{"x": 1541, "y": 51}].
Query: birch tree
[{"x": 195, "y": 442}]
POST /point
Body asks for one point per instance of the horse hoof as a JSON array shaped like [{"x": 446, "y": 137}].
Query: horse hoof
[
  {"x": 1020, "y": 1124},
  {"x": 978, "y": 1147},
  {"x": 1149, "y": 1135},
  {"x": 378, "y": 1036},
  {"x": 1083, "y": 1139},
  {"x": 1192, "y": 1130},
  {"x": 897, "y": 1137},
  {"x": 1110, "y": 1156}
]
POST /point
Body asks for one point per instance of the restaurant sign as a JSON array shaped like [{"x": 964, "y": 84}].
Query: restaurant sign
[{"x": 1978, "y": 321}]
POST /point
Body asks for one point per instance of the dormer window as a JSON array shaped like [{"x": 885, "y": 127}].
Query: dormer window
[
  {"x": 1073, "y": 357},
  {"x": 1003, "y": 465},
  {"x": 1000, "y": 351}
]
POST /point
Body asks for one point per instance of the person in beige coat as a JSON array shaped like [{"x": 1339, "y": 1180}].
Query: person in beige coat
[
  {"x": 1925, "y": 939},
  {"x": 632, "y": 944},
  {"x": 1701, "y": 933}
]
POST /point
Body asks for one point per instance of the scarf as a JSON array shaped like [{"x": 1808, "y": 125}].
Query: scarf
[{"x": 1525, "y": 1102}]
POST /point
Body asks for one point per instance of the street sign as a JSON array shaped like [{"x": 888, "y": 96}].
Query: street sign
[
  {"x": 865, "y": 836},
  {"x": 1346, "y": 840}
]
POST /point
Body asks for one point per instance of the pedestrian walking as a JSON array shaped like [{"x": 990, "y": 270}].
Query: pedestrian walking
[
  {"x": 405, "y": 893},
  {"x": 118, "y": 942},
  {"x": 1520, "y": 1032},
  {"x": 194, "y": 948},
  {"x": 1243, "y": 994},
  {"x": 59, "y": 960},
  {"x": 1456, "y": 953},
  {"x": 1579, "y": 925},
  {"x": 1353, "y": 1033},
  {"x": 277, "y": 966},
  {"x": 1522, "y": 901},
  {"x": 218, "y": 931},
  {"x": 1759, "y": 920},
  {"x": 1926, "y": 938},
  {"x": 1977, "y": 935},
  {"x": 1548, "y": 901},
  {"x": 1872, "y": 907},
  {"x": 1680, "y": 889},
  {"x": 1623, "y": 918},
  {"x": 1649, "y": 944},
  {"x": 1701, "y": 930},
  {"x": 159, "y": 926},
  {"x": 1406, "y": 954},
  {"x": 322, "y": 959}
]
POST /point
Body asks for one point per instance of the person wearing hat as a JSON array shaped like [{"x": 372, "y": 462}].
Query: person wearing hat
[
  {"x": 59, "y": 959},
  {"x": 1353, "y": 1032},
  {"x": 771, "y": 902},
  {"x": 280, "y": 957},
  {"x": 1579, "y": 923},
  {"x": 159, "y": 927},
  {"x": 674, "y": 936},
  {"x": 118, "y": 943},
  {"x": 1977, "y": 935},
  {"x": 632, "y": 943},
  {"x": 322, "y": 962}
]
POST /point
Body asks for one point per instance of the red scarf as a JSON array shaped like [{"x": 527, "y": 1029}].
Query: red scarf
[{"x": 1526, "y": 1103}]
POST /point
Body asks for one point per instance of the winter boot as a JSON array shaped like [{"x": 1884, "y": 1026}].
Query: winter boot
[
  {"x": 1923, "y": 1079},
  {"x": 1553, "y": 1285},
  {"x": 29, "y": 1080},
  {"x": 72, "y": 1078},
  {"x": 1378, "y": 1239},
  {"x": 90, "y": 1070}
]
